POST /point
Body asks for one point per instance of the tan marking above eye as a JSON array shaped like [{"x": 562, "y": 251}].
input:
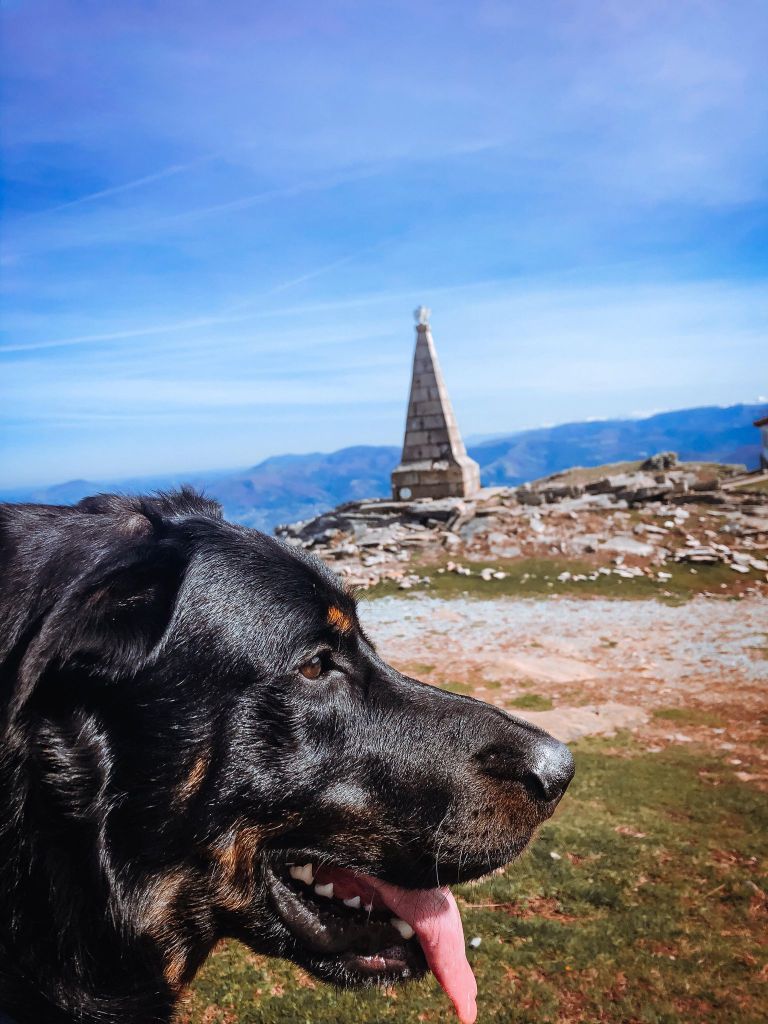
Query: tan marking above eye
[
  {"x": 313, "y": 668},
  {"x": 339, "y": 619},
  {"x": 195, "y": 779}
]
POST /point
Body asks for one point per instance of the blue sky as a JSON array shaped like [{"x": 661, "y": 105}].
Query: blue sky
[{"x": 218, "y": 218}]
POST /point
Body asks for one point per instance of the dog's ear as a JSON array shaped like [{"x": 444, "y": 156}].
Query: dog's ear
[
  {"x": 120, "y": 612},
  {"x": 110, "y": 622}
]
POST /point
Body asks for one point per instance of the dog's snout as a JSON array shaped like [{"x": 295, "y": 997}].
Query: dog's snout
[
  {"x": 552, "y": 767},
  {"x": 543, "y": 765}
]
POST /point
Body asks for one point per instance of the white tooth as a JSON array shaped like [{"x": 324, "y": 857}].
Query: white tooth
[
  {"x": 302, "y": 874},
  {"x": 403, "y": 927},
  {"x": 325, "y": 890},
  {"x": 353, "y": 902},
  {"x": 368, "y": 907}
]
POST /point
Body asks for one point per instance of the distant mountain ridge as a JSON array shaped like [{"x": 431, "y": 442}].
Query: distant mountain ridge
[{"x": 285, "y": 488}]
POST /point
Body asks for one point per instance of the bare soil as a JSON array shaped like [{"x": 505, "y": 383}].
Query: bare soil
[{"x": 691, "y": 673}]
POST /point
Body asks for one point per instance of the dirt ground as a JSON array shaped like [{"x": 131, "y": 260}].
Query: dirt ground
[{"x": 696, "y": 672}]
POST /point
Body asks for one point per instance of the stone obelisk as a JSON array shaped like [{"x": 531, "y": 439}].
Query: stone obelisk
[{"x": 434, "y": 463}]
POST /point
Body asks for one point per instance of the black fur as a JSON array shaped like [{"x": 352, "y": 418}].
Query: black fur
[{"x": 161, "y": 753}]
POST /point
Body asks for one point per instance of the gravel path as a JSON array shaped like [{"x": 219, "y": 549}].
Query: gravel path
[
  {"x": 671, "y": 674},
  {"x": 703, "y": 642}
]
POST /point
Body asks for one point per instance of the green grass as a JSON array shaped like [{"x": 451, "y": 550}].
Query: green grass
[
  {"x": 535, "y": 577},
  {"x": 690, "y": 716},
  {"x": 652, "y": 914},
  {"x": 531, "y": 702},
  {"x": 753, "y": 488},
  {"x": 588, "y": 474},
  {"x": 457, "y": 687}
]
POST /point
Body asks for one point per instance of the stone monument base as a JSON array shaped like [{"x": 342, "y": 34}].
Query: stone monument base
[{"x": 436, "y": 479}]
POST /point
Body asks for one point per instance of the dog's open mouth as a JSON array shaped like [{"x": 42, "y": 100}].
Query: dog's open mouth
[{"x": 376, "y": 930}]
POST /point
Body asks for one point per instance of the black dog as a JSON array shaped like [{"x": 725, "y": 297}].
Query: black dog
[{"x": 199, "y": 741}]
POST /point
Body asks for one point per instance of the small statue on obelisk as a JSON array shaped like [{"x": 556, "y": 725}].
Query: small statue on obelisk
[{"x": 434, "y": 463}]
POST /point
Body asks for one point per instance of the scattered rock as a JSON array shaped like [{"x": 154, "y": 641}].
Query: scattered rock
[
  {"x": 563, "y": 516},
  {"x": 623, "y": 544},
  {"x": 664, "y": 460},
  {"x": 705, "y": 555}
]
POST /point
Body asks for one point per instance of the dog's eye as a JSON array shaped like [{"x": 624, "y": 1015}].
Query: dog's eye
[{"x": 313, "y": 668}]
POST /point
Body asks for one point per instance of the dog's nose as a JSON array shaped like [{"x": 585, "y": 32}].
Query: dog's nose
[
  {"x": 552, "y": 767},
  {"x": 544, "y": 765}
]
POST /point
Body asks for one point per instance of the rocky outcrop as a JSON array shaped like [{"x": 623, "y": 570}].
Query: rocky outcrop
[{"x": 629, "y": 522}]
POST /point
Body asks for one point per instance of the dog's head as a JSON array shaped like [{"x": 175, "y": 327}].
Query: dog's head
[{"x": 212, "y": 746}]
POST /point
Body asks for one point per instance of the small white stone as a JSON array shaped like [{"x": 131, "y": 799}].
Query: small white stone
[
  {"x": 555, "y": 855},
  {"x": 475, "y": 942}
]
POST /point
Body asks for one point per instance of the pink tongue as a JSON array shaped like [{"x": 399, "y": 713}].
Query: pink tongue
[{"x": 434, "y": 916}]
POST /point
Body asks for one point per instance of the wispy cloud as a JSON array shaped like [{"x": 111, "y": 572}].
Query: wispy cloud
[
  {"x": 577, "y": 190},
  {"x": 146, "y": 222},
  {"x": 116, "y": 190},
  {"x": 232, "y": 314}
]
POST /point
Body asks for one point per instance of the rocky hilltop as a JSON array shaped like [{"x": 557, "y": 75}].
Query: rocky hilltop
[{"x": 627, "y": 520}]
